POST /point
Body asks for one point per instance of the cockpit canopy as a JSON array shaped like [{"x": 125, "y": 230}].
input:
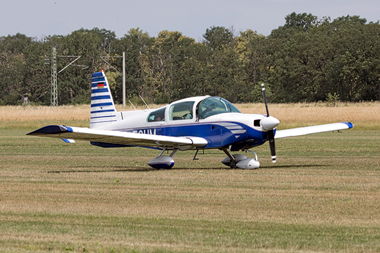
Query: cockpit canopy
[
  {"x": 213, "y": 106},
  {"x": 183, "y": 110}
]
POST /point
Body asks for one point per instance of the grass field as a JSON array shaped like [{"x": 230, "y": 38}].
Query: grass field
[{"x": 322, "y": 195}]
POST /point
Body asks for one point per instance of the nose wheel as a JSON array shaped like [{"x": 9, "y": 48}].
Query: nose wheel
[{"x": 240, "y": 161}]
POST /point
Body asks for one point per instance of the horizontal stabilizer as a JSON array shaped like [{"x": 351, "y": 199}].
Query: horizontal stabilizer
[
  {"x": 119, "y": 138},
  {"x": 313, "y": 129},
  {"x": 68, "y": 140}
]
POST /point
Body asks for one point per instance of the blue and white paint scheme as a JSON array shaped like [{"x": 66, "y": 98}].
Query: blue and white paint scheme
[
  {"x": 103, "y": 109},
  {"x": 194, "y": 123}
]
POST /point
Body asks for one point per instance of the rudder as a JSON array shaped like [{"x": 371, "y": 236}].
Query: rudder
[{"x": 103, "y": 109}]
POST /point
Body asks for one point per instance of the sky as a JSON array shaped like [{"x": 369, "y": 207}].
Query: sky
[{"x": 40, "y": 18}]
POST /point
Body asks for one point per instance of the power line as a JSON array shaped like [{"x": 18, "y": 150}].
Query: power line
[{"x": 54, "y": 74}]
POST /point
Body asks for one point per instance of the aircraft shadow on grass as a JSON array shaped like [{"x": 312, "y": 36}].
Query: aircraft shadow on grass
[{"x": 148, "y": 169}]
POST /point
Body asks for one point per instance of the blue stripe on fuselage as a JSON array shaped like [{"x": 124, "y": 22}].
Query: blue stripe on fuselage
[{"x": 215, "y": 133}]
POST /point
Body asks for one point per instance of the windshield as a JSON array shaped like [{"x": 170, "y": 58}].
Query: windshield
[{"x": 215, "y": 105}]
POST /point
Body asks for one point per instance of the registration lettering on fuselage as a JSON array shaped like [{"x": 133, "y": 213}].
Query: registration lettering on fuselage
[{"x": 146, "y": 131}]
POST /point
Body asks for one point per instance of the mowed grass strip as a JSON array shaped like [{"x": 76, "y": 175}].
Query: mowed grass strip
[
  {"x": 112, "y": 234},
  {"x": 322, "y": 195}
]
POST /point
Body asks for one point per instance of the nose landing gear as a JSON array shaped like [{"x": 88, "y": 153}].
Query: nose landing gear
[{"x": 240, "y": 161}]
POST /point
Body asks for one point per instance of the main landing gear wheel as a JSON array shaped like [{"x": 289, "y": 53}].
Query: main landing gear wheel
[{"x": 163, "y": 161}]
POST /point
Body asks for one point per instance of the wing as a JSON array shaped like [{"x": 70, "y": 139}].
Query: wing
[
  {"x": 313, "y": 129},
  {"x": 69, "y": 134}
]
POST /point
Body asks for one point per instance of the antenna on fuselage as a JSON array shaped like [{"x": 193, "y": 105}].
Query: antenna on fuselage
[
  {"x": 132, "y": 104},
  {"x": 144, "y": 101}
]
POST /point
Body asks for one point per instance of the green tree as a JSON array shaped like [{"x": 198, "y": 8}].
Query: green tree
[
  {"x": 190, "y": 77},
  {"x": 13, "y": 67},
  {"x": 292, "y": 70},
  {"x": 73, "y": 82},
  {"x": 37, "y": 79},
  {"x": 301, "y": 22},
  {"x": 166, "y": 56},
  {"x": 135, "y": 44},
  {"x": 252, "y": 49},
  {"x": 223, "y": 74}
]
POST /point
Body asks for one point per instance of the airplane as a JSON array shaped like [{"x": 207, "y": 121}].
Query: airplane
[{"x": 195, "y": 123}]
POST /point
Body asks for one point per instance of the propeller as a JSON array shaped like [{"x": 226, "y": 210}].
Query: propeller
[{"x": 268, "y": 124}]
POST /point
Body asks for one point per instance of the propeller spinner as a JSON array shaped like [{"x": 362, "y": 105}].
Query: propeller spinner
[{"x": 268, "y": 124}]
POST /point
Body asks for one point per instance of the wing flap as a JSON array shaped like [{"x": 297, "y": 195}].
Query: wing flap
[
  {"x": 116, "y": 137},
  {"x": 312, "y": 129}
]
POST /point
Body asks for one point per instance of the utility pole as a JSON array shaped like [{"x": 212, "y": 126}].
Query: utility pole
[
  {"x": 54, "y": 73},
  {"x": 54, "y": 88},
  {"x": 123, "y": 79}
]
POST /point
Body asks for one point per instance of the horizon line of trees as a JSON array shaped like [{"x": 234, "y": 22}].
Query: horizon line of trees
[{"x": 307, "y": 59}]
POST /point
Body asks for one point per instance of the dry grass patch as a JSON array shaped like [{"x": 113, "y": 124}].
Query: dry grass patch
[
  {"x": 363, "y": 115},
  {"x": 33, "y": 113},
  {"x": 59, "y": 113}
]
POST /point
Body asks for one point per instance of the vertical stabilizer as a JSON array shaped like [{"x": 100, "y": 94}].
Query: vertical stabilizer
[{"x": 103, "y": 110}]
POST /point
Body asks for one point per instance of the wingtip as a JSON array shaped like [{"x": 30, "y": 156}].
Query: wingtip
[
  {"x": 51, "y": 129},
  {"x": 349, "y": 124}
]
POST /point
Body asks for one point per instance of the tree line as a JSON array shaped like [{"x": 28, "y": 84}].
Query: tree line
[{"x": 307, "y": 59}]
